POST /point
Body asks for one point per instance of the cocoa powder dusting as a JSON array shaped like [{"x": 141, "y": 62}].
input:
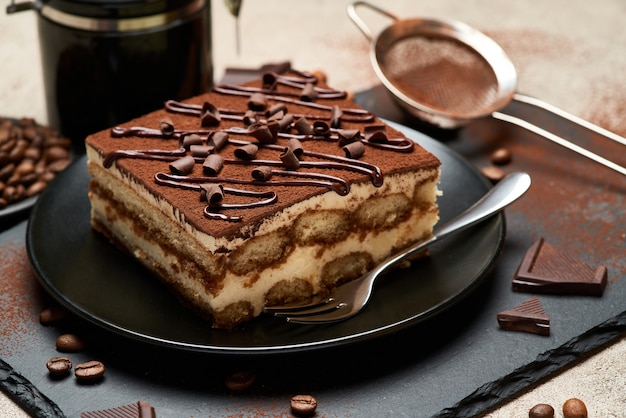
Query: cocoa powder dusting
[{"x": 19, "y": 300}]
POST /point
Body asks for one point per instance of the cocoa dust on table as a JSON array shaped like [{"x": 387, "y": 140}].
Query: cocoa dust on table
[{"x": 19, "y": 299}]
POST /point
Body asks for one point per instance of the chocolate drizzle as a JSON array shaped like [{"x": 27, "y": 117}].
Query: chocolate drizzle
[{"x": 266, "y": 120}]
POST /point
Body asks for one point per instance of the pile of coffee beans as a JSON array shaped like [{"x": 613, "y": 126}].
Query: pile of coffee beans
[
  {"x": 31, "y": 155},
  {"x": 60, "y": 367}
]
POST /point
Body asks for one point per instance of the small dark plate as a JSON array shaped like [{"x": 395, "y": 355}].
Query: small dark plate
[{"x": 90, "y": 277}]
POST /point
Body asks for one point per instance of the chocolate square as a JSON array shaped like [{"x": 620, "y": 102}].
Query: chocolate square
[
  {"x": 527, "y": 317},
  {"x": 545, "y": 269}
]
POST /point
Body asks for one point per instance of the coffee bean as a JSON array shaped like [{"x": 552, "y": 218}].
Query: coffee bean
[
  {"x": 69, "y": 343},
  {"x": 574, "y": 408},
  {"x": 59, "y": 366},
  {"x": 51, "y": 315},
  {"x": 89, "y": 372},
  {"x": 501, "y": 156},
  {"x": 541, "y": 410},
  {"x": 240, "y": 381},
  {"x": 303, "y": 405},
  {"x": 493, "y": 173}
]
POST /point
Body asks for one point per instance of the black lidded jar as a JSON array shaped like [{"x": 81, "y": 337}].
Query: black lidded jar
[{"x": 108, "y": 61}]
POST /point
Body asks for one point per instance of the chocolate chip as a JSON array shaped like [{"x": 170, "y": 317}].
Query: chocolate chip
[
  {"x": 69, "y": 343},
  {"x": 303, "y": 405},
  {"x": 541, "y": 410},
  {"x": 240, "y": 381},
  {"x": 493, "y": 173},
  {"x": 574, "y": 408},
  {"x": 501, "y": 156},
  {"x": 59, "y": 366},
  {"x": 218, "y": 140},
  {"x": 89, "y": 372},
  {"x": 167, "y": 126},
  {"x": 295, "y": 146}
]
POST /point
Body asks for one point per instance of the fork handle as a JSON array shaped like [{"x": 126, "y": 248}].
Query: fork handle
[{"x": 505, "y": 192}]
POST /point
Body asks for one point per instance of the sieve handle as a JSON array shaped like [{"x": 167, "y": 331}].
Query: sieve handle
[
  {"x": 360, "y": 23},
  {"x": 572, "y": 118},
  {"x": 558, "y": 140}
]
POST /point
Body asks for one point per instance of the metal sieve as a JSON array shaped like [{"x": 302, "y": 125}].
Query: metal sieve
[{"x": 447, "y": 73}]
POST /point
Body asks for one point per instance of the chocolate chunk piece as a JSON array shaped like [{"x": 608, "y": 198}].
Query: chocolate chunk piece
[
  {"x": 139, "y": 410},
  {"x": 545, "y": 269},
  {"x": 527, "y": 317}
]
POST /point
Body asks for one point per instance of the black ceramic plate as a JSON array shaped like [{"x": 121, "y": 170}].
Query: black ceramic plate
[{"x": 80, "y": 269}]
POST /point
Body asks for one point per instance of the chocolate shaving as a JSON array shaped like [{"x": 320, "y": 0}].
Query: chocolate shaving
[
  {"x": 545, "y": 269},
  {"x": 375, "y": 133},
  {"x": 289, "y": 159},
  {"x": 210, "y": 115},
  {"x": 308, "y": 93},
  {"x": 335, "y": 117},
  {"x": 219, "y": 140},
  {"x": 303, "y": 127},
  {"x": 295, "y": 146},
  {"x": 213, "y": 164},
  {"x": 277, "y": 108},
  {"x": 257, "y": 101},
  {"x": 201, "y": 150},
  {"x": 167, "y": 126},
  {"x": 354, "y": 150},
  {"x": 321, "y": 128},
  {"x": 348, "y": 136},
  {"x": 212, "y": 193},
  {"x": 261, "y": 132},
  {"x": 527, "y": 317},
  {"x": 269, "y": 81},
  {"x": 182, "y": 165},
  {"x": 262, "y": 173},
  {"x": 191, "y": 139},
  {"x": 247, "y": 152},
  {"x": 285, "y": 122},
  {"x": 249, "y": 118}
]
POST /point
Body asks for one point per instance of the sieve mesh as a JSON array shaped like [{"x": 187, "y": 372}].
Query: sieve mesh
[{"x": 442, "y": 74}]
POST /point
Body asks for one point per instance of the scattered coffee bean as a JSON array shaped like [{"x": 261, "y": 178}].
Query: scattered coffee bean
[
  {"x": 51, "y": 315},
  {"x": 59, "y": 366},
  {"x": 303, "y": 405},
  {"x": 69, "y": 343},
  {"x": 501, "y": 156},
  {"x": 31, "y": 155},
  {"x": 240, "y": 381},
  {"x": 493, "y": 173},
  {"x": 541, "y": 410},
  {"x": 89, "y": 372},
  {"x": 574, "y": 408}
]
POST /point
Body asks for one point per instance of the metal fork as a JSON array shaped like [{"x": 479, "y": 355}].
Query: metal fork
[{"x": 348, "y": 299}]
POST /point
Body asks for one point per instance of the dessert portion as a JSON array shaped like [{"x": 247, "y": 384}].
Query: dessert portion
[
  {"x": 260, "y": 194},
  {"x": 529, "y": 316},
  {"x": 546, "y": 269}
]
